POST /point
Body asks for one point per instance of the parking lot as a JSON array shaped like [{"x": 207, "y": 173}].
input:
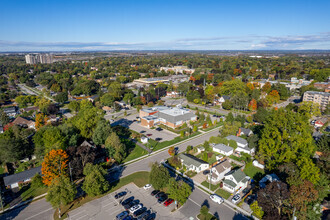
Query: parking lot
[
  {"x": 131, "y": 123},
  {"x": 108, "y": 207}
]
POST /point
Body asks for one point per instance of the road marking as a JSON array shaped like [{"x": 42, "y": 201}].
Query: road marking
[
  {"x": 80, "y": 212},
  {"x": 39, "y": 213}
]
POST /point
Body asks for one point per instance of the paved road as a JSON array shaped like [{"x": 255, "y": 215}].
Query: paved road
[
  {"x": 293, "y": 99},
  {"x": 42, "y": 210}
]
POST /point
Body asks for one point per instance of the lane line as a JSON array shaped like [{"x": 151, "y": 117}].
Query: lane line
[{"x": 39, "y": 213}]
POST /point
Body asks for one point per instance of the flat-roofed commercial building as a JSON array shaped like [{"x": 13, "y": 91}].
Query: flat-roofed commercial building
[
  {"x": 322, "y": 98},
  {"x": 171, "y": 117}
]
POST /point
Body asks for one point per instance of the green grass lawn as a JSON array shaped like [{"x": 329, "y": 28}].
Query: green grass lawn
[
  {"x": 2, "y": 170},
  {"x": 207, "y": 185},
  {"x": 135, "y": 153},
  {"x": 223, "y": 193},
  {"x": 206, "y": 217},
  {"x": 254, "y": 172},
  {"x": 139, "y": 178},
  {"x": 161, "y": 145},
  {"x": 29, "y": 192},
  {"x": 239, "y": 159}
]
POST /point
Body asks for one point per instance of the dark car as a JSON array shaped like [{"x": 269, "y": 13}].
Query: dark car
[
  {"x": 121, "y": 194},
  {"x": 159, "y": 129},
  {"x": 162, "y": 199},
  {"x": 151, "y": 216},
  {"x": 128, "y": 200},
  {"x": 161, "y": 194},
  {"x": 139, "y": 212},
  {"x": 205, "y": 172},
  {"x": 128, "y": 218},
  {"x": 154, "y": 192},
  {"x": 131, "y": 204},
  {"x": 122, "y": 215},
  {"x": 144, "y": 215},
  {"x": 149, "y": 135}
]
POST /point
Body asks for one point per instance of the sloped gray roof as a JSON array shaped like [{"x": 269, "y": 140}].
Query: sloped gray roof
[
  {"x": 237, "y": 139},
  {"x": 18, "y": 177},
  {"x": 223, "y": 147},
  {"x": 221, "y": 167},
  {"x": 246, "y": 131},
  {"x": 191, "y": 160}
]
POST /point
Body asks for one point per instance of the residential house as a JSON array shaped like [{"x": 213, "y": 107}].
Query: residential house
[
  {"x": 93, "y": 98},
  {"x": 222, "y": 99},
  {"x": 11, "y": 111},
  {"x": 242, "y": 144},
  {"x": 223, "y": 149},
  {"x": 22, "y": 122},
  {"x": 13, "y": 181},
  {"x": 218, "y": 172},
  {"x": 268, "y": 179},
  {"x": 244, "y": 131},
  {"x": 235, "y": 181},
  {"x": 171, "y": 117},
  {"x": 31, "y": 108},
  {"x": 192, "y": 163},
  {"x": 172, "y": 94},
  {"x": 52, "y": 118},
  {"x": 320, "y": 122}
]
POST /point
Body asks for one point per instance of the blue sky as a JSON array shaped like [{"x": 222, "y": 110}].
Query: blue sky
[{"x": 57, "y": 25}]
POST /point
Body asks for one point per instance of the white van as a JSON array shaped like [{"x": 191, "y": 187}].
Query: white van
[{"x": 216, "y": 198}]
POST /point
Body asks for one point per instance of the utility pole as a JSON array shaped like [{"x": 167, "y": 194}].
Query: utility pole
[
  {"x": 70, "y": 171},
  {"x": 1, "y": 201}
]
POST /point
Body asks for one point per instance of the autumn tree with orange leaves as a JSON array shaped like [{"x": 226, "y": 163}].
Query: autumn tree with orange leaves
[
  {"x": 171, "y": 151},
  {"x": 54, "y": 165},
  {"x": 41, "y": 120},
  {"x": 273, "y": 97},
  {"x": 253, "y": 105}
]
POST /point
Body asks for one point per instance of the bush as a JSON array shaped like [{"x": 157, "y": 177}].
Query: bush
[
  {"x": 174, "y": 162},
  {"x": 37, "y": 181},
  {"x": 204, "y": 210}
]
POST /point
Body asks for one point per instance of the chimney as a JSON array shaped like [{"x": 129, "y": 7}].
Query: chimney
[{"x": 239, "y": 132}]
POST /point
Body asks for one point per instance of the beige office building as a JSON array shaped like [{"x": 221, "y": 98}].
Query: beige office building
[{"x": 322, "y": 98}]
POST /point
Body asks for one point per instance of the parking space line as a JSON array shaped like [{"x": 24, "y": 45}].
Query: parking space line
[{"x": 78, "y": 213}]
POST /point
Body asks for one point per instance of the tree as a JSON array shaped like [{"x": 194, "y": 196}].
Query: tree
[
  {"x": 178, "y": 190},
  {"x": 301, "y": 195},
  {"x": 261, "y": 115},
  {"x": 182, "y": 134},
  {"x": 102, "y": 131},
  {"x": 323, "y": 144},
  {"x": 171, "y": 151},
  {"x": 61, "y": 97},
  {"x": 37, "y": 181},
  {"x": 41, "y": 120},
  {"x": 74, "y": 106},
  {"x": 107, "y": 99},
  {"x": 257, "y": 210},
  {"x": 229, "y": 128},
  {"x": 230, "y": 118},
  {"x": 158, "y": 176},
  {"x": 80, "y": 156},
  {"x": 273, "y": 97},
  {"x": 115, "y": 148},
  {"x": 4, "y": 119},
  {"x": 95, "y": 182},
  {"x": 115, "y": 90},
  {"x": 267, "y": 87},
  {"x": 54, "y": 165},
  {"x": 285, "y": 138},
  {"x": 233, "y": 144},
  {"x": 273, "y": 200},
  {"x": 233, "y": 87},
  {"x": 309, "y": 109},
  {"x": 253, "y": 105},
  {"x": 43, "y": 104},
  {"x": 61, "y": 192},
  {"x": 195, "y": 129},
  {"x": 227, "y": 105}
]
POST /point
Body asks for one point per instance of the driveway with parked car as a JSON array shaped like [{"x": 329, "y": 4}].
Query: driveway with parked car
[{"x": 137, "y": 203}]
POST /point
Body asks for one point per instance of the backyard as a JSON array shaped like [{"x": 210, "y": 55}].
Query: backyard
[{"x": 254, "y": 172}]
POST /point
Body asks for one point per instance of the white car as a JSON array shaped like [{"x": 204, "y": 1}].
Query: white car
[
  {"x": 216, "y": 198},
  {"x": 236, "y": 198},
  {"x": 135, "y": 208},
  {"x": 148, "y": 186}
]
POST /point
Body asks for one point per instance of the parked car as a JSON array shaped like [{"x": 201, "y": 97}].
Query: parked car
[
  {"x": 159, "y": 129},
  {"x": 236, "y": 198},
  {"x": 148, "y": 186},
  {"x": 154, "y": 192},
  {"x": 152, "y": 216},
  {"x": 168, "y": 202},
  {"x": 135, "y": 208},
  {"x": 131, "y": 204},
  {"x": 160, "y": 195},
  {"x": 205, "y": 172},
  {"x": 144, "y": 215},
  {"x": 128, "y": 218},
  {"x": 139, "y": 212},
  {"x": 127, "y": 201},
  {"x": 121, "y": 194},
  {"x": 162, "y": 198},
  {"x": 122, "y": 215},
  {"x": 149, "y": 135},
  {"x": 216, "y": 198}
]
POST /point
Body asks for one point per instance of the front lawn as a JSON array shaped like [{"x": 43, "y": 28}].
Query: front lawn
[
  {"x": 207, "y": 185},
  {"x": 206, "y": 217},
  {"x": 29, "y": 192},
  {"x": 135, "y": 153},
  {"x": 223, "y": 193},
  {"x": 254, "y": 172}
]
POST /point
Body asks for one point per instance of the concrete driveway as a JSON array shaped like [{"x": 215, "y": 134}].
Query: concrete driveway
[{"x": 131, "y": 123}]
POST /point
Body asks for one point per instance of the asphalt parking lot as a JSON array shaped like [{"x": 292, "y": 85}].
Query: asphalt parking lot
[
  {"x": 131, "y": 123},
  {"x": 108, "y": 207}
]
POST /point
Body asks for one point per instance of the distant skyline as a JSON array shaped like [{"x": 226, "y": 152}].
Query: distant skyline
[{"x": 74, "y": 25}]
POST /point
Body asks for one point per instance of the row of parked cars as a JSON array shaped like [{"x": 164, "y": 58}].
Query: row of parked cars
[
  {"x": 162, "y": 197},
  {"x": 133, "y": 209}
]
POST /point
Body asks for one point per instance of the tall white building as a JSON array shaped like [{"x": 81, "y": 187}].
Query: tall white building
[{"x": 38, "y": 58}]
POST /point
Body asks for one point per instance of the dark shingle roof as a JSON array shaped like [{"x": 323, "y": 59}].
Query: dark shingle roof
[
  {"x": 18, "y": 177},
  {"x": 246, "y": 131}
]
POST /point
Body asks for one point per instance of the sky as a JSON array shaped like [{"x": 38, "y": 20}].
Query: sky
[{"x": 78, "y": 25}]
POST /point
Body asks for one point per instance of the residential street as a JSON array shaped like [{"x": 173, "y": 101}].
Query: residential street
[{"x": 42, "y": 210}]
